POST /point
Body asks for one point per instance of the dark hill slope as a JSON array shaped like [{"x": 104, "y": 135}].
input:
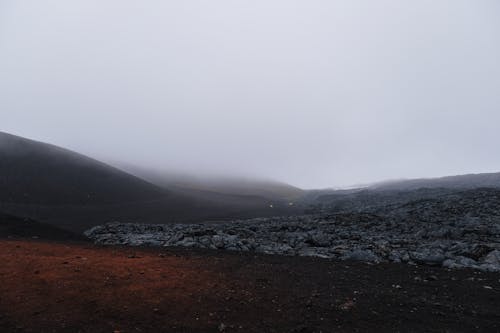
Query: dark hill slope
[
  {"x": 68, "y": 190},
  {"x": 16, "y": 227},
  {"x": 37, "y": 173}
]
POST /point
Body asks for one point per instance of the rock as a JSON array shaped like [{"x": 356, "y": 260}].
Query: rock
[
  {"x": 493, "y": 258},
  {"x": 428, "y": 256},
  {"x": 218, "y": 241},
  {"x": 152, "y": 242},
  {"x": 318, "y": 239},
  {"x": 361, "y": 255},
  {"x": 489, "y": 268},
  {"x": 205, "y": 241},
  {"x": 491, "y": 262},
  {"x": 455, "y": 232},
  {"x": 460, "y": 262},
  {"x": 478, "y": 251}
]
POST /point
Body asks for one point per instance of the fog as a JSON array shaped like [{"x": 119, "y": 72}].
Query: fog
[{"x": 313, "y": 93}]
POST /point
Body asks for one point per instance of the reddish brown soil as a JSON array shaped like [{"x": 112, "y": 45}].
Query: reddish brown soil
[{"x": 55, "y": 287}]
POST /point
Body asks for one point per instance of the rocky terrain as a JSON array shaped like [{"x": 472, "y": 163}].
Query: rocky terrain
[{"x": 456, "y": 230}]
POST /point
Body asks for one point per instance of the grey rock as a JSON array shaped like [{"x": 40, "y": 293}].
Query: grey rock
[
  {"x": 493, "y": 258},
  {"x": 361, "y": 255},
  {"x": 460, "y": 262},
  {"x": 430, "y": 256},
  {"x": 218, "y": 241},
  {"x": 454, "y": 233}
]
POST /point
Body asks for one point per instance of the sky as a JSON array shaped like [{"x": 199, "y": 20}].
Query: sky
[{"x": 314, "y": 93}]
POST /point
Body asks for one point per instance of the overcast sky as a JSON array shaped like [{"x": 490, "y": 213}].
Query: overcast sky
[{"x": 314, "y": 93}]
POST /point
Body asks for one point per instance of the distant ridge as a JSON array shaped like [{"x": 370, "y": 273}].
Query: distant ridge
[
  {"x": 411, "y": 188},
  {"x": 467, "y": 181},
  {"x": 218, "y": 185}
]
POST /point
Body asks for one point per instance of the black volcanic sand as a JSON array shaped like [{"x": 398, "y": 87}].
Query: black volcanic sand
[
  {"x": 18, "y": 227},
  {"x": 57, "y": 287}
]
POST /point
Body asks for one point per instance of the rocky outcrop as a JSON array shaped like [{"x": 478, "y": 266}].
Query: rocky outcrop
[
  {"x": 455, "y": 243},
  {"x": 456, "y": 230}
]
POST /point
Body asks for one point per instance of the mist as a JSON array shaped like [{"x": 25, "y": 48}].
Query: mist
[{"x": 313, "y": 93}]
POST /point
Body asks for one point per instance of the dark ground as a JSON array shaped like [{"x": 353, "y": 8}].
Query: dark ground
[
  {"x": 18, "y": 227},
  {"x": 78, "y": 287}
]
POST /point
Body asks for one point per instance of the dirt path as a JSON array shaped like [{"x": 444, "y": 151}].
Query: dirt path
[{"x": 55, "y": 287}]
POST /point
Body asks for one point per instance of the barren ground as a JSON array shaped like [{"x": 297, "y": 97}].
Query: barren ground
[{"x": 78, "y": 287}]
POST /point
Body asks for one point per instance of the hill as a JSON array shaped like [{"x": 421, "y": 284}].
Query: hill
[
  {"x": 463, "y": 182},
  {"x": 66, "y": 189},
  {"x": 394, "y": 192},
  {"x": 37, "y": 173},
  {"x": 243, "y": 197},
  {"x": 219, "y": 185}
]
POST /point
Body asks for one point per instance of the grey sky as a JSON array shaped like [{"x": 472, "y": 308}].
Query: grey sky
[{"x": 314, "y": 93}]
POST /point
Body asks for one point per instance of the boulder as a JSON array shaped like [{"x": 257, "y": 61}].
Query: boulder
[
  {"x": 493, "y": 258},
  {"x": 430, "y": 256},
  {"x": 361, "y": 255}
]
